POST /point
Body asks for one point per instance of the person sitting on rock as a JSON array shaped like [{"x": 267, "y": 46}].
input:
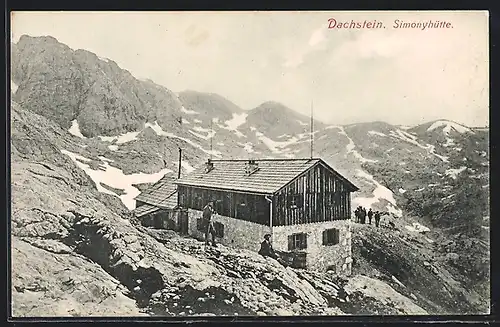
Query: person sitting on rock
[{"x": 266, "y": 249}]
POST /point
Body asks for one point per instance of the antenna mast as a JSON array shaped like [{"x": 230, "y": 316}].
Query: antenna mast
[
  {"x": 180, "y": 153},
  {"x": 312, "y": 128},
  {"x": 211, "y": 136}
]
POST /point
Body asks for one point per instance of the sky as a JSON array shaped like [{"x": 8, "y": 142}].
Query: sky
[{"x": 400, "y": 76}]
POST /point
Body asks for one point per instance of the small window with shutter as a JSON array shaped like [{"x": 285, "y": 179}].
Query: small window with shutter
[
  {"x": 295, "y": 201},
  {"x": 331, "y": 236},
  {"x": 297, "y": 241}
]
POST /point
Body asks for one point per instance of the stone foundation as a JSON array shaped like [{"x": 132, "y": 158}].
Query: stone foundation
[
  {"x": 247, "y": 235},
  {"x": 237, "y": 233},
  {"x": 320, "y": 257}
]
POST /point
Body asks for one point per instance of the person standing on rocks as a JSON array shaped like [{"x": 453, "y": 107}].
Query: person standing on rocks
[
  {"x": 377, "y": 218},
  {"x": 370, "y": 215},
  {"x": 363, "y": 215},
  {"x": 208, "y": 211},
  {"x": 357, "y": 213}
]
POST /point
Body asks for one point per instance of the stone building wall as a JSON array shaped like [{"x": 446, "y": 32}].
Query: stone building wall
[
  {"x": 320, "y": 257},
  {"x": 237, "y": 233}
]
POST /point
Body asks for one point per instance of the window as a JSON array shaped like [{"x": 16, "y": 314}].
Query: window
[
  {"x": 242, "y": 211},
  {"x": 333, "y": 198},
  {"x": 297, "y": 241},
  {"x": 219, "y": 229},
  {"x": 182, "y": 199},
  {"x": 295, "y": 201},
  {"x": 331, "y": 236}
]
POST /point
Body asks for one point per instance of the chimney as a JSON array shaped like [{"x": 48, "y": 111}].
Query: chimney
[
  {"x": 209, "y": 166},
  {"x": 251, "y": 167}
]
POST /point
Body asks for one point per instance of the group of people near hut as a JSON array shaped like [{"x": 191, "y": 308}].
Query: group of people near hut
[{"x": 361, "y": 214}]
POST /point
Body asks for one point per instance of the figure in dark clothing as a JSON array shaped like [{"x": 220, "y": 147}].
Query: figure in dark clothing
[
  {"x": 266, "y": 249},
  {"x": 356, "y": 214},
  {"x": 363, "y": 215},
  {"x": 208, "y": 211},
  {"x": 377, "y": 218},
  {"x": 370, "y": 215},
  {"x": 359, "y": 216}
]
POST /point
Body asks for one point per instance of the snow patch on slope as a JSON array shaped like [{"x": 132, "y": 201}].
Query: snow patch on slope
[
  {"x": 75, "y": 129},
  {"x": 189, "y": 112},
  {"x": 402, "y": 135},
  {"x": 380, "y": 193},
  {"x": 123, "y": 138},
  {"x": 350, "y": 148},
  {"x": 453, "y": 173},
  {"x": 448, "y": 126},
  {"x": 13, "y": 86},
  {"x": 236, "y": 121},
  {"x": 274, "y": 146},
  {"x": 159, "y": 131},
  {"x": 210, "y": 133},
  {"x": 248, "y": 147},
  {"x": 418, "y": 228},
  {"x": 376, "y": 133},
  {"x": 334, "y": 126},
  {"x": 187, "y": 166},
  {"x": 115, "y": 178}
]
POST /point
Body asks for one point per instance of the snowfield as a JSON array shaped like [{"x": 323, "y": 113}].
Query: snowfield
[
  {"x": 419, "y": 228},
  {"x": 189, "y": 112},
  {"x": 380, "y": 193},
  {"x": 453, "y": 173},
  {"x": 248, "y": 147},
  {"x": 75, "y": 129},
  {"x": 274, "y": 146},
  {"x": 376, "y": 133},
  {"x": 236, "y": 121},
  {"x": 448, "y": 126},
  {"x": 13, "y": 86},
  {"x": 350, "y": 148},
  {"x": 210, "y": 133},
  {"x": 159, "y": 131},
  {"x": 123, "y": 138},
  {"x": 115, "y": 178}
]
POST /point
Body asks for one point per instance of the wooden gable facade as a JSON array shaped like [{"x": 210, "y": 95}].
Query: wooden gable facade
[{"x": 317, "y": 195}]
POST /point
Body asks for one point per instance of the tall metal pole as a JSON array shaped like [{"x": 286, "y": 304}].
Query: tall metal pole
[
  {"x": 180, "y": 163},
  {"x": 211, "y": 137},
  {"x": 180, "y": 153},
  {"x": 312, "y": 128}
]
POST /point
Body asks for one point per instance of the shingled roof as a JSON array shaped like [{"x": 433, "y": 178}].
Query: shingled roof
[
  {"x": 272, "y": 175},
  {"x": 162, "y": 194}
]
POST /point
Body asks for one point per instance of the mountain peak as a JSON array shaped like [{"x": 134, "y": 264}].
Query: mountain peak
[
  {"x": 44, "y": 38},
  {"x": 447, "y": 126},
  {"x": 274, "y": 105}
]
